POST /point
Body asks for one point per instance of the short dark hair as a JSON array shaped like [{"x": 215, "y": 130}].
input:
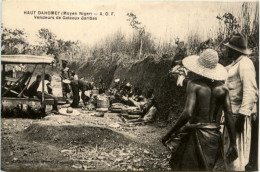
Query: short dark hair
[
  {"x": 47, "y": 76},
  {"x": 150, "y": 92},
  {"x": 38, "y": 76}
]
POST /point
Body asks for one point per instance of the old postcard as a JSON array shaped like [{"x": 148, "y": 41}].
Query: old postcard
[{"x": 129, "y": 85}]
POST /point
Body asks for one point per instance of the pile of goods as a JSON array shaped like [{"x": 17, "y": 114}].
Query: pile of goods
[{"x": 128, "y": 112}]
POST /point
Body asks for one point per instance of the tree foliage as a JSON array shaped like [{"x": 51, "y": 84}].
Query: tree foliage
[{"x": 13, "y": 41}]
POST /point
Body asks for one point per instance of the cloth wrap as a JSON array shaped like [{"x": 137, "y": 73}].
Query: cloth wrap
[{"x": 200, "y": 148}]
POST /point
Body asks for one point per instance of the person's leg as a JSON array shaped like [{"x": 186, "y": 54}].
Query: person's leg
[
  {"x": 55, "y": 105},
  {"x": 83, "y": 96},
  {"x": 75, "y": 92},
  {"x": 253, "y": 157},
  {"x": 63, "y": 89}
]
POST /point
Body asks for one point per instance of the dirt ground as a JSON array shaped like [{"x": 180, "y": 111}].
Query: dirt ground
[{"x": 81, "y": 142}]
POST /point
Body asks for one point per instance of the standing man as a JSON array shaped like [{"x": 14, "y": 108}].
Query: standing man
[
  {"x": 80, "y": 85},
  {"x": 65, "y": 75},
  {"x": 243, "y": 96},
  {"x": 201, "y": 145}
]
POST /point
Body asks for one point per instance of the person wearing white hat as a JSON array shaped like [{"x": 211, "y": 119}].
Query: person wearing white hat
[
  {"x": 200, "y": 147},
  {"x": 243, "y": 96}
]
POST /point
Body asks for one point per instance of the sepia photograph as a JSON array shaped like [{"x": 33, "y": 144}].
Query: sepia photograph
[{"x": 129, "y": 85}]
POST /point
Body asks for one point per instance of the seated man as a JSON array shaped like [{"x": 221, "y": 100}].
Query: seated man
[
  {"x": 115, "y": 88},
  {"x": 32, "y": 90},
  {"x": 126, "y": 93},
  {"x": 101, "y": 86},
  {"x": 48, "y": 92},
  {"x": 201, "y": 146},
  {"x": 137, "y": 99},
  {"x": 147, "y": 106}
]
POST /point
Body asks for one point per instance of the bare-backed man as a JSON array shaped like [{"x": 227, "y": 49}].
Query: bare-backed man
[{"x": 198, "y": 126}]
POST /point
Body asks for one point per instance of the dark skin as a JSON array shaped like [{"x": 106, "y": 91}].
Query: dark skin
[
  {"x": 239, "y": 125},
  {"x": 204, "y": 99}
]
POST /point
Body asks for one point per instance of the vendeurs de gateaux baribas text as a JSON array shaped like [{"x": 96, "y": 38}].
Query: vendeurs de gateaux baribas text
[{"x": 66, "y": 15}]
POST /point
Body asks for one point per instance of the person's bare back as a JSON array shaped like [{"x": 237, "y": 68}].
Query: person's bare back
[
  {"x": 210, "y": 96},
  {"x": 199, "y": 123}
]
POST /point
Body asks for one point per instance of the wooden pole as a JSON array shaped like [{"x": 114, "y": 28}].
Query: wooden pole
[
  {"x": 43, "y": 78},
  {"x": 3, "y": 74}
]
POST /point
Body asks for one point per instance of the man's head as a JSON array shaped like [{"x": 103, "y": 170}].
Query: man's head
[
  {"x": 117, "y": 81},
  {"x": 150, "y": 92},
  {"x": 128, "y": 87},
  {"x": 237, "y": 46},
  {"x": 64, "y": 63},
  {"x": 38, "y": 78},
  {"x": 48, "y": 77}
]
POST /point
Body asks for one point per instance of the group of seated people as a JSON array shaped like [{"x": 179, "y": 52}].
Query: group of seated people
[
  {"x": 127, "y": 95},
  {"x": 122, "y": 92}
]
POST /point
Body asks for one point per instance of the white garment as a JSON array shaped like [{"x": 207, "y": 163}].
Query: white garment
[
  {"x": 242, "y": 86},
  {"x": 243, "y": 141},
  {"x": 45, "y": 86},
  {"x": 243, "y": 93}
]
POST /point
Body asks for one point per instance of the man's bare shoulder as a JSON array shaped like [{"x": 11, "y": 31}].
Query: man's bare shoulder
[{"x": 200, "y": 83}]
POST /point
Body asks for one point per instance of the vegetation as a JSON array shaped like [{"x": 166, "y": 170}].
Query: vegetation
[
  {"x": 124, "y": 56},
  {"x": 139, "y": 45}
]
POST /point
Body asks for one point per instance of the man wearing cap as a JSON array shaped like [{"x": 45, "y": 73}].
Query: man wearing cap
[
  {"x": 199, "y": 124},
  {"x": 243, "y": 96},
  {"x": 126, "y": 93},
  {"x": 115, "y": 91}
]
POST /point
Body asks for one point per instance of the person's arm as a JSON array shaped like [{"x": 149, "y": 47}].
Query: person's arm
[
  {"x": 49, "y": 88},
  {"x": 248, "y": 79},
  {"x": 187, "y": 112},
  {"x": 230, "y": 124},
  {"x": 69, "y": 73}
]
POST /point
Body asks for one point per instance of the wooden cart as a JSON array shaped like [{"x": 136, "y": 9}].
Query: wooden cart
[{"x": 13, "y": 98}]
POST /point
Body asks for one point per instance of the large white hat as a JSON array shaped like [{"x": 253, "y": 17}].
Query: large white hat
[{"x": 206, "y": 65}]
